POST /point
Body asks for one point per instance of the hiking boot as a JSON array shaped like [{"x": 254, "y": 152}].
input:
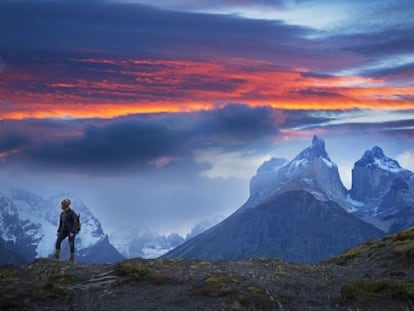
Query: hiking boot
[
  {"x": 57, "y": 253},
  {"x": 72, "y": 257}
]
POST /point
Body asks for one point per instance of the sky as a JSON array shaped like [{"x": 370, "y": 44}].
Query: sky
[{"x": 157, "y": 114}]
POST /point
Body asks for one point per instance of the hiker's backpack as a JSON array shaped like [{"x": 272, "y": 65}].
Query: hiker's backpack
[{"x": 77, "y": 223}]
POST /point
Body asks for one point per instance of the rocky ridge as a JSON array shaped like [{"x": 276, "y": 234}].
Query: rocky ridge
[{"x": 377, "y": 275}]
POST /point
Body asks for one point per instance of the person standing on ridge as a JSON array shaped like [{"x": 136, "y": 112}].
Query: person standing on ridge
[{"x": 68, "y": 225}]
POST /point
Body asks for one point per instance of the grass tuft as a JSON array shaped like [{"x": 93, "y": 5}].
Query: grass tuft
[
  {"x": 368, "y": 290},
  {"x": 138, "y": 272}
]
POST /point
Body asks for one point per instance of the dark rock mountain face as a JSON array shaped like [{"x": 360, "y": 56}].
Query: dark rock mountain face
[
  {"x": 100, "y": 252},
  {"x": 294, "y": 226},
  {"x": 397, "y": 207},
  {"x": 373, "y": 175},
  {"x": 385, "y": 191},
  {"x": 9, "y": 256}
]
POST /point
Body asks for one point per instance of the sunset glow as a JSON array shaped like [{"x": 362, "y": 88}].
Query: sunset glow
[{"x": 151, "y": 86}]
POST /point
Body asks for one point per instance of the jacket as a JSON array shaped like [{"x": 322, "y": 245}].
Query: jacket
[{"x": 67, "y": 221}]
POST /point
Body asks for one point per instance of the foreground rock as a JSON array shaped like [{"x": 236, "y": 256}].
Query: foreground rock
[{"x": 377, "y": 275}]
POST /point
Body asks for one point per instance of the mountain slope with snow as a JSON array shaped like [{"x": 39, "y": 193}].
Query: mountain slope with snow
[{"x": 28, "y": 225}]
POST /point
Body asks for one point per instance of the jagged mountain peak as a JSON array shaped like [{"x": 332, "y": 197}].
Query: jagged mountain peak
[
  {"x": 377, "y": 152},
  {"x": 376, "y": 158},
  {"x": 315, "y": 150},
  {"x": 316, "y": 140},
  {"x": 311, "y": 170}
]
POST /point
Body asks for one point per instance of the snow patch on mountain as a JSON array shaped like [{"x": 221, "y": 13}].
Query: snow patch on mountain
[
  {"x": 387, "y": 165},
  {"x": 376, "y": 158},
  {"x": 152, "y": 250},
  {"x": 328, "y": 163},
  {"x": 145, "y": 244},
  {"x": 355, "y": 205}
]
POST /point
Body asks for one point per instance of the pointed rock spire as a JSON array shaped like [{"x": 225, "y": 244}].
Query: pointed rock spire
[{"x": 315, "y": 150}]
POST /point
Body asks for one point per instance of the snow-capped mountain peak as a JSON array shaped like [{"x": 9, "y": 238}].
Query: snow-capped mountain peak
[
  {"x": 311, "y": 170},
  {"x": 376, "y": 158},
  {"x": 315, "y": 150}
]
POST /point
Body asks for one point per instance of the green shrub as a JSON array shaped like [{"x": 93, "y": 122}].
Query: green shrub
[
  {"x": 404, "y": 248},
  {"x": 366, "y": 290},
  {"x": 137, "y": 272}
]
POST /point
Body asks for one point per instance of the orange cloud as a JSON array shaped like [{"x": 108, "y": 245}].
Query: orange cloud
[{"x": 129, "y": 86}]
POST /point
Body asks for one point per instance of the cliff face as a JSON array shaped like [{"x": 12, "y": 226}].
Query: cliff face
[
  {"x": 385, "y": 191},
  {"x": 377, "y": 275},
  {"x": 9, "y": 255},
  {"x": 397, "y": 207}
]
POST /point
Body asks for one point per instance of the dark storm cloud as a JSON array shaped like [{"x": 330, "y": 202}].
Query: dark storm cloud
[
  {"x": 341, "y": 122},
  {"x": 238, "y": 124},
  {"x": 390, "y": 45},
  {"x": 117, "y": 144},
  {"x": 315, "y": 75},
  {"x": 146, "y": 141},
  {"x": 134, "y": 28},
  {"x": 402, "y": 72},
  {"x": 12, "y": 141},
  {"x": 318, "y": 92},
  {"x": 168, "y": 141}
]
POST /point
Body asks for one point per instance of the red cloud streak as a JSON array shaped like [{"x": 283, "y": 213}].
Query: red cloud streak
[{"x": 128, "y": 86}]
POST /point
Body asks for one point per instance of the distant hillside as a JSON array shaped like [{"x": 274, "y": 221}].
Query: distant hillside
[{"x": 293, "y": 226}]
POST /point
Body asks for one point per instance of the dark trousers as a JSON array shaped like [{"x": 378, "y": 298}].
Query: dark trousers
[{"x": 61, "y": 236}]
